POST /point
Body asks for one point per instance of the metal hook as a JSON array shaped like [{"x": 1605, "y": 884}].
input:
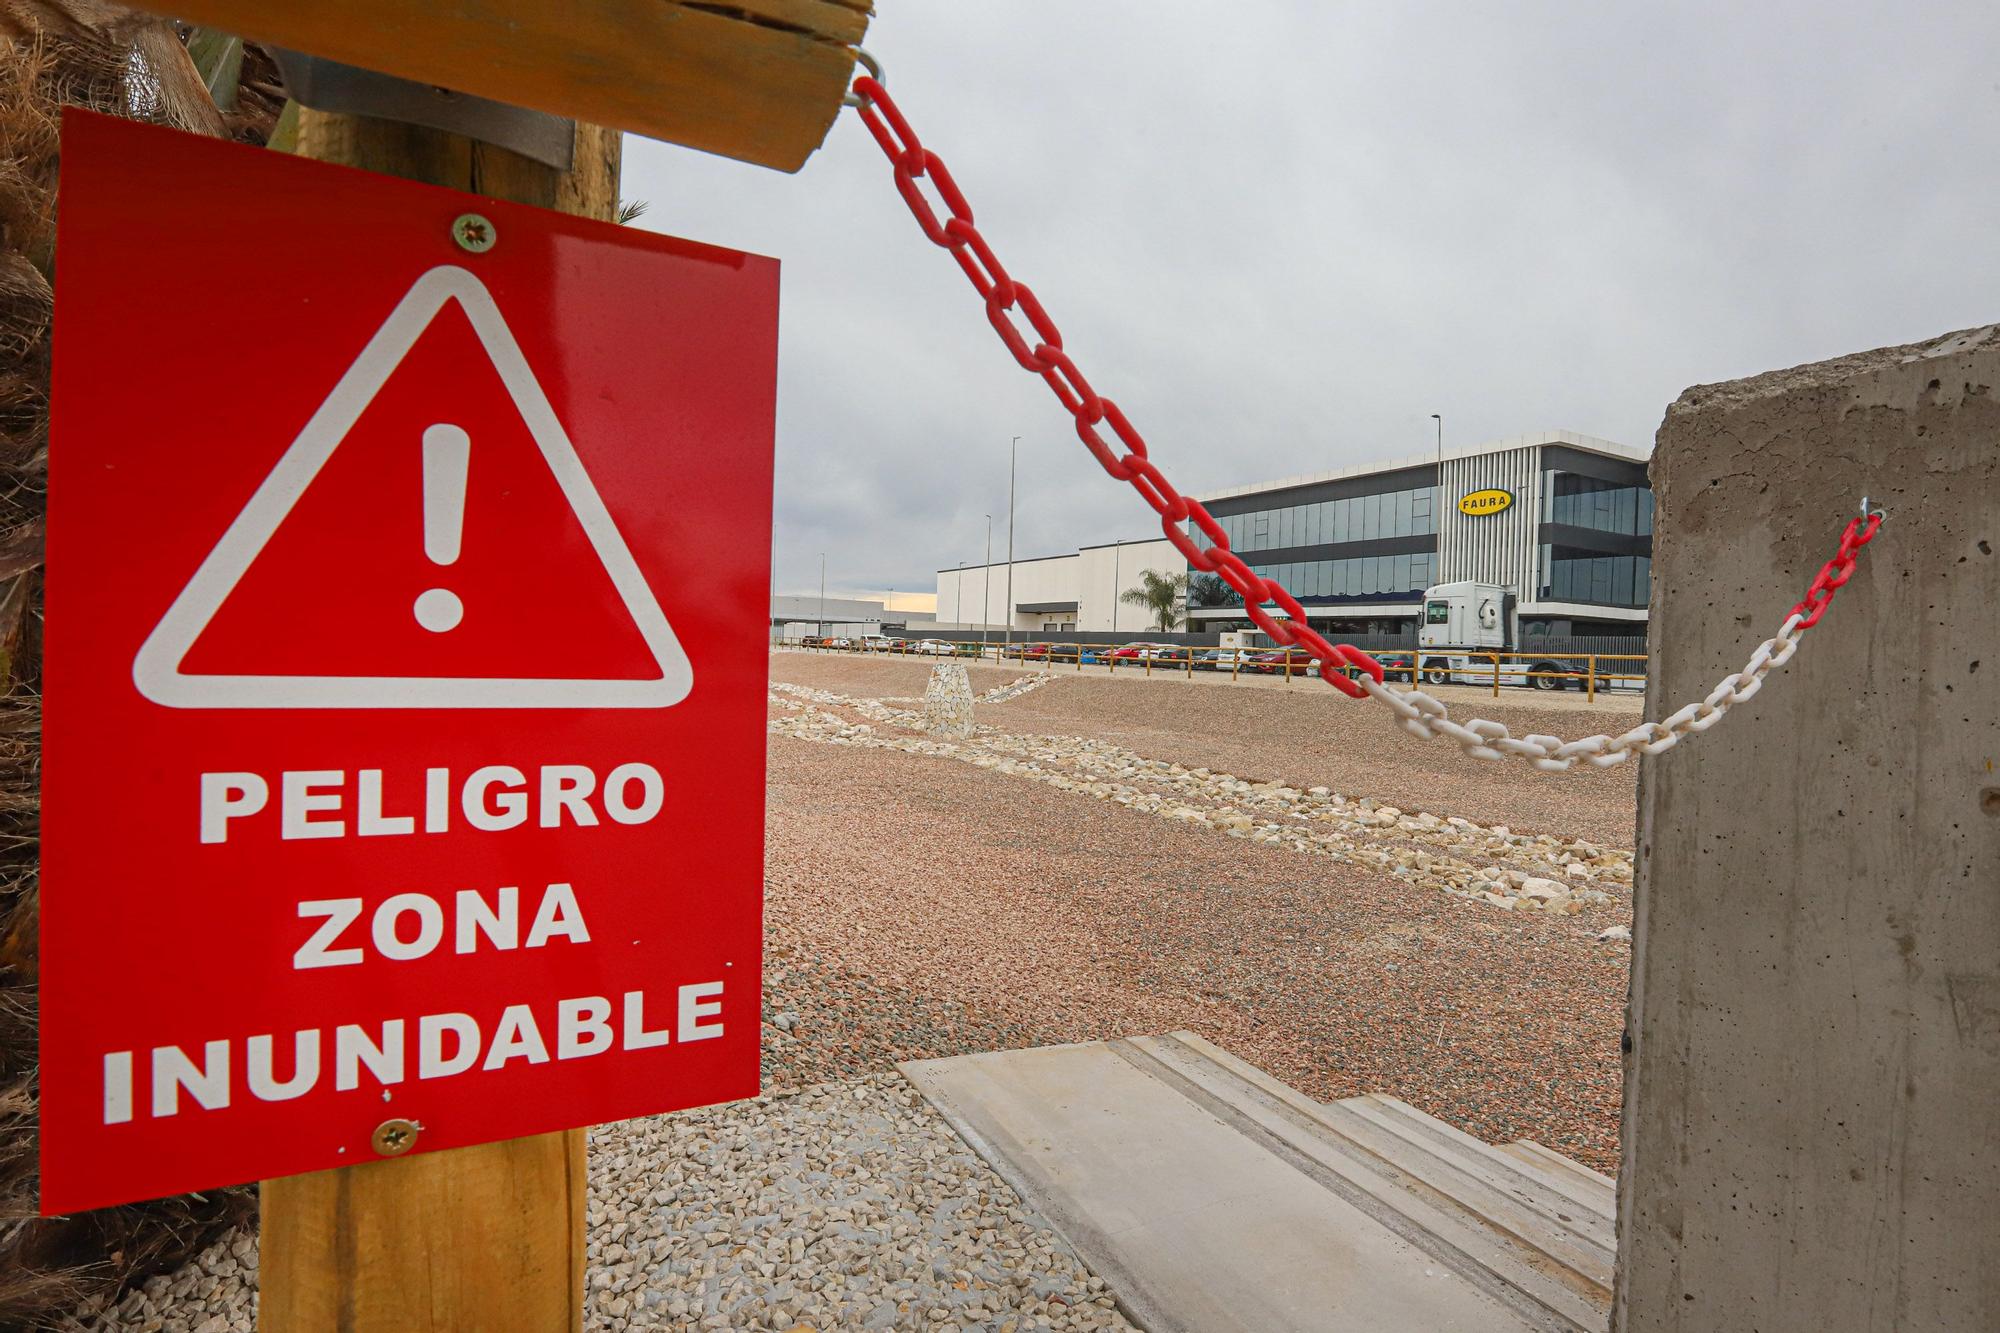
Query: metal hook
[
  {"x": 1877, "y": 511},
  {"x": 874, "y": 68}
]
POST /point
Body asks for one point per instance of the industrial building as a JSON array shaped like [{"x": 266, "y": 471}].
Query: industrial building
[
  {"x": 1564, "y": 521},
  {"x": 797, "y": 616},
  {"x": 1561, "y": 520},
  {"x": 1078, "y": 592}
]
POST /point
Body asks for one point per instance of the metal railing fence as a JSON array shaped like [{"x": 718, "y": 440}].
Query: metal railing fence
[{"x": 1589, "y": 671}]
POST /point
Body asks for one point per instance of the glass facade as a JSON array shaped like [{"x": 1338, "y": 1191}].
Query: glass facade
[
  {"x": 1361, "y": 518},
  {"x": 1606, "y": 506},
  {"x": 1359, "y": 576},
  {"x": 1571, "y": 574},
  {"x": 1603, "y": 559}
]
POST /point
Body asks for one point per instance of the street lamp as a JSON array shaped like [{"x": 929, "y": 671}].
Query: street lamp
[
  {"x": 986, "y": 597},
  {"x": 1440, "y": 421},
  {"x": 1117, "y": 550},
  {"x": 822, "y": 594},
  {"x": 1009, "y": 639}
]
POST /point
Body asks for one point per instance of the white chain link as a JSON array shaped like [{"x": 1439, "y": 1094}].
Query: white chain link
[{"x": 1484, "y": 739}]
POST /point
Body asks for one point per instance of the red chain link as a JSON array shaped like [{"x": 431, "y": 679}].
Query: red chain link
[
  {"x": 1837, "y": 571},
  {"x": 1004, "y": 295}
]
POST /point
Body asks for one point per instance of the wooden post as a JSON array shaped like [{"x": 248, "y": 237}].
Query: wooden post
[{"x": 489, "y": 1237}]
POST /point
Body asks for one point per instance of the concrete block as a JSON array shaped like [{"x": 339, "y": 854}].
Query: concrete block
[{"x": 1812, "y": 1099}]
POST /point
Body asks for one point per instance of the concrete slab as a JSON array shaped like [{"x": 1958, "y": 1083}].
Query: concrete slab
[
  {"x": 1590, "y": 1189},
  {"x": 1211, "y": 1197}
]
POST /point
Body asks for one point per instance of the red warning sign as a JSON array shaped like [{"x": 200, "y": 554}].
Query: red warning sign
[{"x": 404, "y": 669}]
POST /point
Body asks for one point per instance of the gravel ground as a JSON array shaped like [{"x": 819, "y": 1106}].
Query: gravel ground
[
  {"x": 912, "y": 899},
  {"x": 1529, "y": 872},
  {"x": 879, "y": 676},
  {"x": 846, "y": 1206},
  {"x": 1317, "y": 736}
]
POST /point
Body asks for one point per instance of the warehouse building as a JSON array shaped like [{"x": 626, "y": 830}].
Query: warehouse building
[
  {"x": 1081, "y": 591},
  {"x": 1563, "y": 521},
  {"x": 801, "y": 615}
]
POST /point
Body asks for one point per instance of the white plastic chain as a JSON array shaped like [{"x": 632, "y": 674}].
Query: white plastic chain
[{"x": 1485, "y": 739}]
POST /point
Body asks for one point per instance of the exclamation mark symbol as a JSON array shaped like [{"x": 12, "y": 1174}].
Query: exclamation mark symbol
[{"x": 447, "y": 456}]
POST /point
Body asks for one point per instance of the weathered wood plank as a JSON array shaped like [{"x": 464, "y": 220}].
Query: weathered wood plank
[
  {"x": 418, "y": 153},
  {"x": 757, "y": 80},
  {"x": 477, "y": 1238}
]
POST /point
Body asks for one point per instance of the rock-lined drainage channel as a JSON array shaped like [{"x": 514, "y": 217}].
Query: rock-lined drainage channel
[{"x": 1490, "y": 864}]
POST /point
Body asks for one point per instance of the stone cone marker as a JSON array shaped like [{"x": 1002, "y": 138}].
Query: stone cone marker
[{"x": 948, "y": 701}]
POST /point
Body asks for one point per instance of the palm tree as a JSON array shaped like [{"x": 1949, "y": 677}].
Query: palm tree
[
  {"x": 1160, "y": 594},
  {"x": 1208, "y": 590}
]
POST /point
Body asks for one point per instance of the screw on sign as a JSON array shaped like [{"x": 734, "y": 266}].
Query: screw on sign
[
  {"x": 1341, "y": 665},
  {"x": 402, "y": 792},
  {"x": 474, "y": 232}
]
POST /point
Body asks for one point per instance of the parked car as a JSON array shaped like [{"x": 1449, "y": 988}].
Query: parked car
[
  {"x": 934, "y": 648},
  {"x": 1400, "y": 667},
  {"x": 1223, "y": 659},
  {"x": 1167, "y": 654},
  {"x": 1285, "y": 661},
  {"x": 1027, "y": 651},
  {"x": 876, "y": 643},
  {"x": 1135, "y": 649}
]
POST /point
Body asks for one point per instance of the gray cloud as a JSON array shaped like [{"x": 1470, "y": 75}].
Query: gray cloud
[{"x": 1282, "y": 234}]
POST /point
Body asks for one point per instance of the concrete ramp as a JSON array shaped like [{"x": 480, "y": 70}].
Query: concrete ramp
[{"x": 1212, "y": 1197}]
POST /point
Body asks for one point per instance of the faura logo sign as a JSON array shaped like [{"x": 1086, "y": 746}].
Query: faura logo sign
[{"x": 1485, "y": 502}]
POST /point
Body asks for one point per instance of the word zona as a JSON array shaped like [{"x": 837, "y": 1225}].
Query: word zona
[{"x": 473, "y": 917}]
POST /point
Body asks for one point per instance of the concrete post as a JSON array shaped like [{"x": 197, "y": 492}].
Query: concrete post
[
  {"x": 948, "y": 701},
  {"x": 1812, "y": 1098}
]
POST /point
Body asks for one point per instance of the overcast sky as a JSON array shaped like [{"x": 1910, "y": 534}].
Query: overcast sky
[{"x": 1282, "y": 233}]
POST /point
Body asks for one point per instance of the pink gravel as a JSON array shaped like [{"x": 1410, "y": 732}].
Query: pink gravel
[{"x": 921, "y": 907}]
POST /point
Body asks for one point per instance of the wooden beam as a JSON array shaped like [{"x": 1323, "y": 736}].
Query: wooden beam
[
  {"x": 489, "y": 1237},
  {"x": 757, "y": 80}
]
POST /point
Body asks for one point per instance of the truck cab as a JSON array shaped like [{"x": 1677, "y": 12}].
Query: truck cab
[
  {"x": 1468, "y": 615},
  {"x": 1465, "y": 621}
]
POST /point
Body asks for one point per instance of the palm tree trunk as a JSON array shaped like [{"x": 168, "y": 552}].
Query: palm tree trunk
[{"x": 58, "y": 53}]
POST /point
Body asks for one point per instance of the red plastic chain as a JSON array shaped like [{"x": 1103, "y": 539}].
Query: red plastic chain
[
  {"x": 1837, "y": 571},
  {"x": 1039, "y": 349},
  {"x": 1045, "y": 356}
]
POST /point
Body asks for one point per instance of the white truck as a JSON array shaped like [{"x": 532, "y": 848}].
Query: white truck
[{"x": 1462, "y": 622}]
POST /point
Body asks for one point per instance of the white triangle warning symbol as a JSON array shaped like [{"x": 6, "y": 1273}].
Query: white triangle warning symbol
[{"x": 157, "y": 669}]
